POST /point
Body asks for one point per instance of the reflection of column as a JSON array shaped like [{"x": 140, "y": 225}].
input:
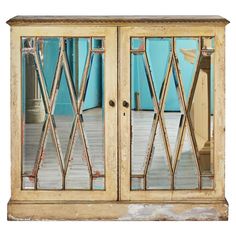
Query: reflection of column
[
  {"x": 201, "y": 105},
  {"x": 34, "y": 105},
  {"x": 201, "y": 110},
  {"x": 205, "y": 124}
]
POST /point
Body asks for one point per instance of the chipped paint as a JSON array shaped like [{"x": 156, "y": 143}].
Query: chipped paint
[
  {"x": 168, "y": 212},
  {"x": 117, "y": 211}
]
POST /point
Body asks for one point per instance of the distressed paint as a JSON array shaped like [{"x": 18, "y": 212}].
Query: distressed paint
[
  {"x": 121, "y": 211},
  {"x": 169, "y": 212}
]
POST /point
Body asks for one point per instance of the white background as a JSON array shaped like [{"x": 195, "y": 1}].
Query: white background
[{"x": 10, "y": 8}]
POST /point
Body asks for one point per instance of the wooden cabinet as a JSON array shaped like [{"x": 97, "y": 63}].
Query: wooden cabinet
[{"x": 117, "y": 118}]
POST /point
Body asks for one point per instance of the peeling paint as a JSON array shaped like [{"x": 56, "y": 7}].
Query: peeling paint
[
  {"x": 168, "y": 212},
  {"x": 117, "y": 211},
  {"x": 13, "y": 218}
]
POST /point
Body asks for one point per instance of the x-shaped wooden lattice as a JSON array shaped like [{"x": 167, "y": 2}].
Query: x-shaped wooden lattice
[
  {"x": 159, "y": 110},
  {"x": 49, "y": 104}
]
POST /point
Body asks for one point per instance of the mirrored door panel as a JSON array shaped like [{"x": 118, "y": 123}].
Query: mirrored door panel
[
  {"x": 65, "y": 104},
  {"x": 167, "y": 118},
  {"x": 171, "y": 113}
]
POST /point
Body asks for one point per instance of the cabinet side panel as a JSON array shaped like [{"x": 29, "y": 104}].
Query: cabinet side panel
[
  {"x": 15, "y": 111},
  {"x": 219, "y": 106}
]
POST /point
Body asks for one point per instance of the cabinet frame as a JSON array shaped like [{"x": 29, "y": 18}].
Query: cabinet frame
[
  {"x": 118, "y": 202},
  {"x": 217, "y": 193}
]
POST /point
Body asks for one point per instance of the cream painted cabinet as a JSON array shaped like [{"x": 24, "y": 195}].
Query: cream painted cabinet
[{"x": 117, "y": 118}]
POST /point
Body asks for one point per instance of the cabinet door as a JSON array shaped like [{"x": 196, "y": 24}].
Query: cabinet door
[
  {"x": 167, "y": 113},
  {"x": 65, "y": 81}
]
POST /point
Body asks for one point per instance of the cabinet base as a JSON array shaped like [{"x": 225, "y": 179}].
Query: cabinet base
[{"x": 122, "y": 210}]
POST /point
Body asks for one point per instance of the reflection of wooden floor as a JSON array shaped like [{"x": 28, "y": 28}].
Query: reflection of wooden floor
[
  {"x": 158, "y": 175},
  {"x": 77, "y": 176}
]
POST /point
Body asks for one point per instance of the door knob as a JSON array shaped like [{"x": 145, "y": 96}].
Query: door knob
[
  {"x": 125, "y": 104},
  {"x": 111, "y": 103}
]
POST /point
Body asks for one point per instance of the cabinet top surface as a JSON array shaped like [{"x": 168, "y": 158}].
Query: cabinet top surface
[{"x": 29, "y": 20}]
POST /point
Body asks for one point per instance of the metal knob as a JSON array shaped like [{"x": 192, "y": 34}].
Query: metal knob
[
  {"x": 111, "y": 103},
  {"x": 125, "y": 104}
]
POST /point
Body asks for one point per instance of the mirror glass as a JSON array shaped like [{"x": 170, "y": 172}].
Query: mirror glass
[
  {"x": 63, "y": 113},
  {"x": 172, "y": 113}
]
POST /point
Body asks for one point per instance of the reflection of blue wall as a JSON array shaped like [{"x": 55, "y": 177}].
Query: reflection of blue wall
[
  {"x": 50, "y": 57},
  {"x": 93, "y": 96},
  {"x": 158, "y": 52}
]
